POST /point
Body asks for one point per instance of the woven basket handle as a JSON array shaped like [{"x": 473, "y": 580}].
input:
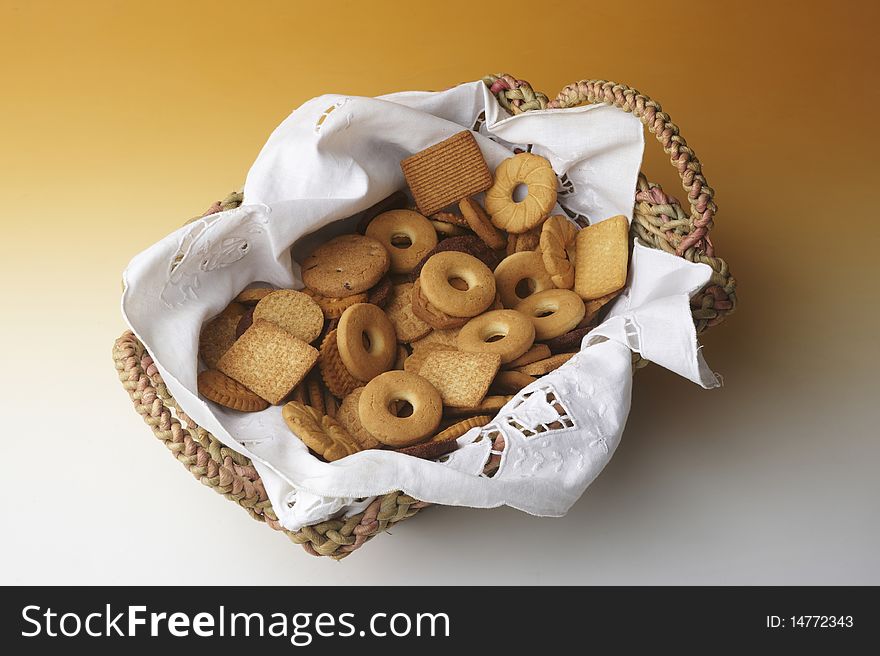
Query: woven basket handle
[{"x": 517, "y": 96}]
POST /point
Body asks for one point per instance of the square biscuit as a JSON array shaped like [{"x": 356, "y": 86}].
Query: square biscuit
[
  {"x": 446, "y": 172},
  {"x": 268, "y": 360},
  {"x": 461, "y": 378},
  {"x": 602, "y": 251}
]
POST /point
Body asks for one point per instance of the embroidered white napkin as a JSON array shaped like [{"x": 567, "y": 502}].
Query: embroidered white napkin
[{"x": 335, "y": 156}]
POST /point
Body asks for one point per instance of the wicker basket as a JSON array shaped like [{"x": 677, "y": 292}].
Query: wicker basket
[{"x": 658, "y": 220}]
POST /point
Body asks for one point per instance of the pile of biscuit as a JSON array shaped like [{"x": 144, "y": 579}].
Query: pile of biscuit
[{"x": 423, "y": 323}]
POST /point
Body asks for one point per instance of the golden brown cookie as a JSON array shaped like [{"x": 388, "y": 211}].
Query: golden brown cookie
[
  {"x": 489, "y": 405},
  {"x": 558, "y": 250},
  {"x": 527, "y": 241},
  {"x": 440, "y": 270},
  {"x": 268, "y": 361},
  {"x": 346, "y": 265},
  {"x": 253, "y": 295},
  {"x": 601, "y": 259},
  {"x": 537, "y": 352},
  {"x": 429, "y": 314},
  {"x": 445, "y": 230},
  {"x": 446, "y": 172},
  {"x": 366, "y": 340},
  {"x": 536, "y": 173},
  {"x": 478, "y": 221},
  {"x": 510, "y": 382},
  {"x": 447, "y": 337},
  {"x": 334, "y": 307},
  {"x": 415, "y": 361},
  {"x": 322, "y": 434},
  {"x": 315, "y": 392},
  {"x": 334, "y": 373},
  {"x": 459, "y": 428},
  {"x": 449, "y": 217},
  {"x": 594, "y": 305},
  {"x": 407, "y": 325},
  {"x": 461, "y": 378},
  {"x": 542, "y": 367},
  {"x": 383, "y": 392},
  {"x": 219, "y": 334},
  {"x": 402, "y": 355},
  {"x": 347, "y": 415},
  {"x": 470, "y": 244},
  {"x": 406, "y": 235},
  {"x": 380, "y": 293},
  {"x": 220, "y": 388},
  {"x": 505, "y": 332},
  {"x": 331, "y": 405},
  {"x": 299, "y": 393},
  {"x": 553, "y": 312},
  {"x": 295, "y": 312},
  {"x": 520, "y": 275}
]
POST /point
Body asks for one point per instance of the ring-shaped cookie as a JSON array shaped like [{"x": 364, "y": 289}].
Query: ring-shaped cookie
[
  {"x": 435, "y": 283},
  {"x": 520, "y": 275},
  {"x": 394, "y": 229},
  {"x": 553, "y": 312},
  {"x": 374, "y": 408},
  {"x": 366, "y": 341},
  {"x": 506, "y": 332},
  {"x": 536, "y": 173}
]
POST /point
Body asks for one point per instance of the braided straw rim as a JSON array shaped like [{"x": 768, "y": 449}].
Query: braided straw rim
[{"x": 659, "y": 221}]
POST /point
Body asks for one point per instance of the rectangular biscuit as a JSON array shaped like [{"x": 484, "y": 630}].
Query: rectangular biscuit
[
  {"x": 446, "y": 172},
  {"x": 602, "y": 251},
  {"x": 461, "y": 378},
  {"x": 268, "y": 360}
]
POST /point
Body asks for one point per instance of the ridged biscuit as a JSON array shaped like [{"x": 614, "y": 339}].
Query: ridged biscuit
[
  {"x": 335, "y": 375},
  {"x": 459, "y": 428},
  {"x": 536, "y": 173},
  {"x": 557, "y": 239},
  {"x": 446, "y": 172},
  {"x": 220, "y": 388}
]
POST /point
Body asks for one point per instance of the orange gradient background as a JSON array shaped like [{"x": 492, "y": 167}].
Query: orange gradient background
[{"x": 119, "y": 120}]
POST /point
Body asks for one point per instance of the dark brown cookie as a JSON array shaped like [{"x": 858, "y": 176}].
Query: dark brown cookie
[
  {"x": 380, "y": 294},
  {"x": 245, "y": 322},
  {"x": 470, "y": 244},
  {"x": 396, "y": 201},
  {"x": 570, "y": 341},
  {"x": 430, "y": 450}
]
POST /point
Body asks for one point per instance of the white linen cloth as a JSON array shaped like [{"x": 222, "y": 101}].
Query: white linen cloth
[{"x": 335, "y": 156}]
